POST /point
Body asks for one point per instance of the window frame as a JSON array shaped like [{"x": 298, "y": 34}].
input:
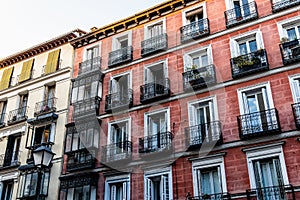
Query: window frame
[
  {"x": 94, "y": 45},
  {"x": 147, "y": 27},
  {"x": 116, "y": 39},
  {"x": 288, "y": 23},
  {"x": 129, "y": 82},
  {"x": 295, "y": 91},
  {"x": 165, "y": 69},
  {"x": 110, "y": 124},
  {"x": 117, "y": 179},
  {"x": 185, "y": 21},
  {"x": 162, "y": 110},
  {"x": 188, "y": 56}
]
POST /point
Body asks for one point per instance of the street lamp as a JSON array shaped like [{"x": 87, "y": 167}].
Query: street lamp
[{"x": 42, "y": 156}]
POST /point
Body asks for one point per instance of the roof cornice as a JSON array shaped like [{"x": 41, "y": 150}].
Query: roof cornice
[
  {"x": 130, "y": 22},
  {"x": 40, "y": 48}
]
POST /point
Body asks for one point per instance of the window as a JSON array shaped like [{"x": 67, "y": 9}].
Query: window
[
  {"x": 198, "y": 59},
  {"x": 156, "y": 73},
  {"x": 289, "y": 29},
  {"x": 23, "y": 99},
  {"x": 122, "y": 41},
  {"x": 119, "y": 132},
  {"x": 246, "y": 44},
  {"x": 194, "y": 16},
  {"x": 42, "y": 134},
  {"x": 209, "y": 176},
  {"x": 6, "y": 190},
  {"x": 92, "y": 52},
  {"x": 158, "y": 185},
  {"x": 238, "y": 10},
  {"x": 120, "y": 84},
  {"x": 267, "y": 170},
  {"x": 117, "y": 188},
  {"x": 12, "y": 153},
  {"x": 3, "y": 106},
  {"x": 91, "y": 60},
  {"x": 155, "y": 29}
]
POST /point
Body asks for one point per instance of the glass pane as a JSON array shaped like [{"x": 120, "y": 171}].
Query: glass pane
[
  {"x": 205, "y": 183},
  {"x": 252, "y": 45},
  {"x": 27, "y": 186},
  {"x": 196, "y": 62},
  {"x": 252, "y": 104},
  {"x": 70, "y": 194},
  {"x": 243, "y": 48},
  {"x": 216, "y": 180},
  {"x": 45, "y": 183},
  {"x": 204, "y": 60},
  {"x": 86, "y": 192},
  {"x": 291, "y": 33}
]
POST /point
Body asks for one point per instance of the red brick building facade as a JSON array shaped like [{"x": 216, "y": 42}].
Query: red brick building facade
[{"x": 195, "y": 104}]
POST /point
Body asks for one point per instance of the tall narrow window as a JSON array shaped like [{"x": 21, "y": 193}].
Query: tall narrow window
[
  {"x": 3, "y": 105},
  {"x": 119, "y": 86},
  {"x": 12, "y": 153},
  {"x": 92, "y": 53},
  {"x": 7, "y": 189},
  {"x": 49, "y": 99}
]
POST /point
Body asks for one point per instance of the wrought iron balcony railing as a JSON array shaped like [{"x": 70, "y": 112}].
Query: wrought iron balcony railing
[
  {"x": 203, "y": 133},
  {"x": 2, "y": 118},
  {"x": 155, "y": 143},
  {"x": 218, "y": 196},
  {"x": 46, "y": 106},
  {"x": 290, "y": 51},
  {"x": 296, "y": 112},
  {"x": 90, "y": 65},
  {"x": 249, "y": 63},
  {"x": 10, "y": 159},
  {"x": 242, "y": 14},
  {"x": 86, "y": 107},
  {"x": 258, "y": 123},
  {"x": 199, "y": 78},
  {"x": 156, "y": 90},
  {"x": 119, "y": 100},
  {"x": 17, "y": 115},
  {"x": 120, "y": 56},
  {"x": 154, "y": 44},
  {"x": 282, "y": 192},
  {"x": 283, "y": 4},
  {"x": 194, "y": 30},
  {"x": 80, "y": 159},
  {"x": 116, "y": 152}
]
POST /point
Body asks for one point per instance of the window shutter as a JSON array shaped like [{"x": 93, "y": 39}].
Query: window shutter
[
  {"x": 113, "y": 192},
  {"x": 165, "y": 191},
  {"x": 52, "y": 132},
  {"x": 165, "y": 68},
  {"x": 9, "y": 151},
  {"x": 296, "y": 90},
  {"x": 266, "y": 99},
  {"x": 188, "y": 61},
  {"x": 124, "y": 190},
  {"x": 245, "y": 104},
  {"x": 94, "y": 88},
  {"x": 192, "y": 117},
  {"x": 148, "y": 76},
  {"x": 277, "y": 165},
  {"x": 26, "y": 71},
  {"x": 148, "y": 189},
  {"x": 210, "y": 55},
  {"x": 5, "y": 80},
  {"x": 52, "y": 62},
  {"x": 198, "y": 179},
  {"x": 234, "y": 48},
  {"x": 220, "y": 179},
  {"x": 256, "y": 168},
  {"x": 259, "y": 40}
]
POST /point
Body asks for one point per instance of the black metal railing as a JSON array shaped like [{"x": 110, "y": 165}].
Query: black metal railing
[
  {"x": 119, "y": 100},
  {"x": 17, "y": 115},
  {"x": 154, "y": 44},
  {"x": 290, "y": 51},
  {"x": 203, "y": 133},
  {"x": 283, "y": 4},
  {"x": 116, "y": 152},
  {"x": 90, "y": 65},
  {"x": 258, "y": 123},
  {"x": 154, "y": 143},
  {"x": 86, "y": 107},
  {"x": 155, "y": 90},
  {"x": 120, "y": 56},
  {"x": 80, "y": 159},
  {"x": 45, "y": 106},
  {"x": 241, "y": 14},
  {"x": 194, "y": 30},
  {"x": 282, "y": 192},
  {"x": 199, "y": 78},
  {"x": 296, "y": 112},
  {"x": 2, "y": 118},
  {"x": 10, "y": 158},
  {"x": 249, "y": 63},
  {"x": 217, "y": 196}
]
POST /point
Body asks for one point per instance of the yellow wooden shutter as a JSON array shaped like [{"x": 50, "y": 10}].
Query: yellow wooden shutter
[
  {"x": 52, "y": 62},
  {"x": 26, "y": 71},
  {"x": 6, "y": 78}
]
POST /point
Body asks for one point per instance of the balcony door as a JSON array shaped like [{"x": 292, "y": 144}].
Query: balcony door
[
  {"x": 155, "y": 79},
  {"x": 92, "y": 53},
  {"x": 157, "y": 187},
  {"x": 209, "y": 181},
  {"x": 248, "y": 46},
  {"x": 3, "y": 106},
  {"x": 12, "y": 150},
  {"x": 155, "y": 30},
  {"x": 22, "y": 105},
  {"x": 49, "y": 98},
  {"x": 6, "y": 190},
  {"x": 119, "y": 136},
  {"x": 195, "y": 19},
  {"x": 119, "y": 87},
  {"x": 241, "y": 8}
]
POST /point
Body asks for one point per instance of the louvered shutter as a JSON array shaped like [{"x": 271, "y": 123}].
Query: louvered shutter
[
  {"x": 124, "y": 190},
  {"x": 148, "y": 189},
  {"x": 277, "y": 165},
  {"x": 234, "y": 48},
  {"x": 165, "y": 189},
  {"x": 113, "y": 192},
  {"x": 259, "y": 40},
  {"x": 52, "y": 62},
  {"x": 257, "y": 174},
  {"x": 296, "y": 90},
  {"x": 210, "y": 55},
  {"x": 26, "y": 71},
  {"x": 6, "y": 77}
]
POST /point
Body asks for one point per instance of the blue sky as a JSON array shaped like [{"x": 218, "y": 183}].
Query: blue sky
[{"x": 25, "y": 23}]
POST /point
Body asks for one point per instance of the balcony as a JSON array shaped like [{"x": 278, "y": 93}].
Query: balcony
[
  {"x": 156, "y": 143},
  {"x": 296, "y": 112},
  {"x": 249, "y": 63},
  {"x": 17, "y": 115},
  {"x": 154, "y": 44},
  {"x": 154, "y": 91},
  {"x": 120, "y": 151},
  {"x": 87, "y": 107},
  {"x": 118, "y": 101},
  {"x": 80, "y": 159},
  {"x": 242, "y": 14},
  {"x": 218, "y": 196},
  {"x": 258, "y": 124},
  {"x": 194, "y": 30},
  {"x": 203, "y": 133},
  {"x": 290, "y": 51},
  {"x": 120, "y": 56},
  {"x": 90, "y": 65},
  {"x": 284, "y": 4},
  {"x": 199, "y": 78},
  {"x": 275, "y": 192},
  {"x": 45, "y": 107},
  {"x": 10, "y": 159}
]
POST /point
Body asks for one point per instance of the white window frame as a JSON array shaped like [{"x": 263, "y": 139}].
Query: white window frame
[
  {"x": 146, "y": 27},
  {"x": 116, "y": 39},
  {"x": 98, "y": 44},
  {"x": 51, "y": 137},
  {"x": 208, "y": 162},
  {"x": 254, "y": 87},
  {"x": 234, "y": 41},
  {"x": 162, "y": 110},
  {"x": 229, "y": 4},
  {"x": 159, "y": 172},
  {"x": 110, "y": 124},
  {"x": 117, "y": 179},
  {"x": 263, "y": 152},
  {"x": 129, "y": 73},
  {"x": 184, "y": 19},
  {"x": 288, "y": 23},
  {"x": 165, "y": 68},
  {"x": 295, "y": 79},
  {"x": 188, "y": 56}
]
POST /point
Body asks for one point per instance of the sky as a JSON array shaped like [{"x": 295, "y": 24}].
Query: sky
[{"x": 25, "y": 23}]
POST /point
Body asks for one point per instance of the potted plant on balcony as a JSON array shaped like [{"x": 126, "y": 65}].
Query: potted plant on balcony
[
  {"x": 206, "y": 196},
  {"x": 286, "y": 43},
  {"x": 243, "y": 62},
  {"x": 195, "y": 77}
]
